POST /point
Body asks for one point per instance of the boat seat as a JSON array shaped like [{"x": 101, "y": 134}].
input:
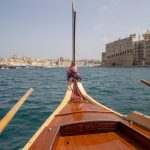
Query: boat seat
[{"x": 88, "y": 127}]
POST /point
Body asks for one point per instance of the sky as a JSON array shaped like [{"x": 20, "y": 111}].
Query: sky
[{"x": 43, "y": 28}]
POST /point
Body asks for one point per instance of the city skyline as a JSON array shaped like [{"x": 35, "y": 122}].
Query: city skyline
[{"x": 43, "y": 29}]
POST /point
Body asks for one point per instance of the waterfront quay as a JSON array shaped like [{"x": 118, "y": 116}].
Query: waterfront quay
[{"x": 26, "y": 62}]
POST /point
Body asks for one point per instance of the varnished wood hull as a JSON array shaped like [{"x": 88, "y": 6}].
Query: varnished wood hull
[{"x": 89, "y": 125}]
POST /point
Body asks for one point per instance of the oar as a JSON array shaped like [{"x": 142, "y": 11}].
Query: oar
[
  {"x": 8, "y": 117},
  {"x": 146, "y": 82}
]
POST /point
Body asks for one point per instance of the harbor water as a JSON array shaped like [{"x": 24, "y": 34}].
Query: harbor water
[{"x": 117, "y": 88}]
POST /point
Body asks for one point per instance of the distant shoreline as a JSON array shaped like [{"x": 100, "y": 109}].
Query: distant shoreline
[
  {"x": 26, "y": 62},
  {"x": 34, "y": 67}
]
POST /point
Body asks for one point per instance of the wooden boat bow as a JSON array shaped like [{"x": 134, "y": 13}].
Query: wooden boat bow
[{"x": 88, "y": 119}]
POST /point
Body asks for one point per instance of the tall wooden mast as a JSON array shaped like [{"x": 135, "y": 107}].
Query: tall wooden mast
[{"x": 73, "y": 31}]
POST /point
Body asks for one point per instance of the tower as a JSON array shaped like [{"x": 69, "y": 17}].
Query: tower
[{"x": 146, "y": 35}]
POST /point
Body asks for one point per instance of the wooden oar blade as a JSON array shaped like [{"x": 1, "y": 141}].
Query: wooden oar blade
[
  {"x": 146, "y": 82},
  {"x": 8, "y": 117}
]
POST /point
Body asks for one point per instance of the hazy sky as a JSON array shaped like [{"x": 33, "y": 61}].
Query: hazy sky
[{"x": 43, "y": 28}]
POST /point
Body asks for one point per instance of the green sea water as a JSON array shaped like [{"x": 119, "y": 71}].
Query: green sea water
[{"x": 117, "y": 88}]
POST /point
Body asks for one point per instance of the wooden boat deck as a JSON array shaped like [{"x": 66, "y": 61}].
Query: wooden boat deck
[
  {"x": 86, "y": 125},
  {"x": 84, "y": 111},
  {"x": 104, "y": 141}
]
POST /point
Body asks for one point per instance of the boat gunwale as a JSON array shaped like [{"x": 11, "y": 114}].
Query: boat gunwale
[
  {"x": 124, "y": 117},
  {"x": 50, "y": 118},
  {"x": 90, "y": 99}
]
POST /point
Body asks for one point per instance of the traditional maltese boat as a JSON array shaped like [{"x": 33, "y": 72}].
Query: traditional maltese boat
[
  {"x": 88, "y": 125},
  {"x": 81, "y": 123}
]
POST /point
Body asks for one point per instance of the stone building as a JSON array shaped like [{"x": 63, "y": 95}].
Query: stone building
[
  {"x": 128, "y": 51},
  {"x": 146, "y": 45},
  {"x": 120, "y": 52},
  {"x": 138, "y": 53},
  {"x": 103, "y": 58}
]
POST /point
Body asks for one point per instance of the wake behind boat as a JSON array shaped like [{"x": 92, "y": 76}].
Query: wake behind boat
[{"x": 80, "y": 122}]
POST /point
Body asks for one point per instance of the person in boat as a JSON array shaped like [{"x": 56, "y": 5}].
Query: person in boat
[{"x": 73, "y": 74}]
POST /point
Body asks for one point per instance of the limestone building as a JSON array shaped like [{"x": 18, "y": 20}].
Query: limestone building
[
  {"x": 146, "y": 46},
  {"x": 128, "y": 52},
  {"x": 103, "y": 58}
]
